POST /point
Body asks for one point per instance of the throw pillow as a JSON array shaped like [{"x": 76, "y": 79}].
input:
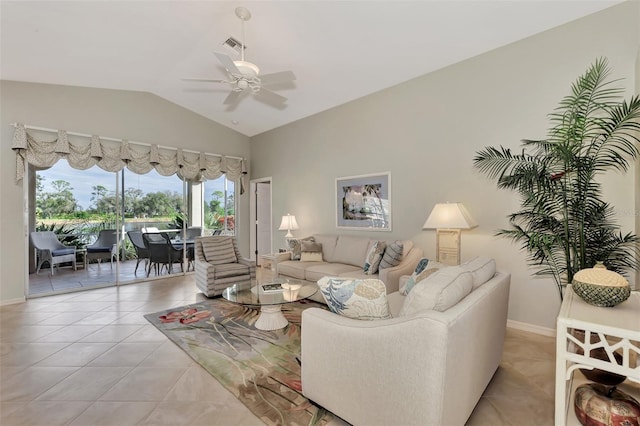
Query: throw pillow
[
  {"x": 295, "y": 245},
  {"x": 218, "y": 250},
  {"x": 311, "y": 256},
  {"x": 360, "y": 299},
  {"x": 374, "y": 257},
  {"x": 392, "y": 255},
  {"x": 482, "y": 269},
  {"x": 424, "y": 268},
  {"x": 310, "y": 251},
  {"x": 310, "y": 246},
  {"x": 438, "y": 292}
]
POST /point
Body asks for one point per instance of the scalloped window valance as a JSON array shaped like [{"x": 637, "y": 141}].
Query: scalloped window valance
[{"x": 83, "y": 152}]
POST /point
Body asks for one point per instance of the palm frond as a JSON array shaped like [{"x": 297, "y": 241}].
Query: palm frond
[{"x": 564, "y": 223}]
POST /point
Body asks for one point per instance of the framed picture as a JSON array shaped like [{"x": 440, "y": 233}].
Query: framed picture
[{"x": 364, "y": 202}]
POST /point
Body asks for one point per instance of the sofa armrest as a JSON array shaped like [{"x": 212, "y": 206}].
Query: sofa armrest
[
  {"x": 400, "y": 360},
  {"x": 251, "y": 264},
  {"x": 391, "y": 276},
  {"x": 281, "y": 257}
]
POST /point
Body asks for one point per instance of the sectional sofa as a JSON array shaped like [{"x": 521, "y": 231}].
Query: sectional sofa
[
  {"x": 345, "y": 256},
  {"x": 428, "y": 364}
]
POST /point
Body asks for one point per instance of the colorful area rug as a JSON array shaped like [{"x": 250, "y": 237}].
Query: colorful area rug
[{"x": 259, "y": 367}]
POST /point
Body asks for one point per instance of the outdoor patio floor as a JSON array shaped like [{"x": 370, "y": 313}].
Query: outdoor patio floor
[{"x": 96, "y": 275}]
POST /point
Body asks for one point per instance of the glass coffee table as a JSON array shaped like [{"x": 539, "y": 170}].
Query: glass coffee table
[{"x": 270, "y": 296}]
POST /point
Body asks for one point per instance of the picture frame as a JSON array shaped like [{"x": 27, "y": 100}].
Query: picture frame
[{"x": 363, "y": 202}]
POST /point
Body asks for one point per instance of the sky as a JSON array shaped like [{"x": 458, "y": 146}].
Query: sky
[{"x": 83, "y": 181}]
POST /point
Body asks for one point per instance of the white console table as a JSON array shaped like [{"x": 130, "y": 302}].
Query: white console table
[{"x": 617, "y": 329}]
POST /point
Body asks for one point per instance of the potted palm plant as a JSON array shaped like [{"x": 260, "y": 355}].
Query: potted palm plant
[{"x": 564, "y": 223}]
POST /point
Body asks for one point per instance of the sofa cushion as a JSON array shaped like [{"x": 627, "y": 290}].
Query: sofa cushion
[
  {"x": 294, "y": 268},
  {"x": 482, "y": 269},
  {"x": 359, "y": 299},
  {"x": 351, "y": 250},
  {"x": 67, "y": 251},
  {"x": 424, "y": 268},
  {"x": 218, "y": 250},
  {"x": 438, "y": 292},
  {"x": 328, "y": 245},
  {"x": 392, "y": 255},
  {"x": 416, "y": 278},
  {"x": 230, "y": 270},
  {"x": 395, "y": 301},
  {"x": 357, "y": 274},
  {"x": 315, "y": 271},
  {"x": 374, "y": 256}
]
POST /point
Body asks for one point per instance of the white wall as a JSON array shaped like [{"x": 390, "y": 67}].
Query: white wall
[
  {"x": 134, "y": 116},
  {"x": 427, "y": 131}
]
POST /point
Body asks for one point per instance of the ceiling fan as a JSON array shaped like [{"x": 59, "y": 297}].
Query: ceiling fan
[{"x": 245, "y": 78}]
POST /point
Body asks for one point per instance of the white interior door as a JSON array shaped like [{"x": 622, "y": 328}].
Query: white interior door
[{"x": 261, "y": 232}]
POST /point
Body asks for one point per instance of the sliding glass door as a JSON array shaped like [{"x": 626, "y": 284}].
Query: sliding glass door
[{"x": 85, "y": 208}]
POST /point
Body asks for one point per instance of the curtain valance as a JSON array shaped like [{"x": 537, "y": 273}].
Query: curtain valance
[{"x": 83, "y": 153}]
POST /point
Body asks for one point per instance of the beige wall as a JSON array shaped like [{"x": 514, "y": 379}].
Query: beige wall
[
  {"x": 426, "y": 133},
  {"x": 134, "y": 116}
]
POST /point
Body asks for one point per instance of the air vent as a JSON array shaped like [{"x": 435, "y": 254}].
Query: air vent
[{"x": 233, "y": 45}]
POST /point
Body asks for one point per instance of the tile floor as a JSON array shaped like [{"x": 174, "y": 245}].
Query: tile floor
[
  {"x": 90, "y": 358},
  {"x": 95, "y": 275}
]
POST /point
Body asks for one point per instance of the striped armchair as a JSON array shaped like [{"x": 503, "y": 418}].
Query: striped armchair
[{"x": 219, "y": 265}]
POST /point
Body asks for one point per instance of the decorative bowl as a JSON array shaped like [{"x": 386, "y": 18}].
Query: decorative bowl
[{"x": 600, "y": 287}]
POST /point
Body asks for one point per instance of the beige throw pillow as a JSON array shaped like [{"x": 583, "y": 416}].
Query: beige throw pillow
[{"x": 310, "y": 251}]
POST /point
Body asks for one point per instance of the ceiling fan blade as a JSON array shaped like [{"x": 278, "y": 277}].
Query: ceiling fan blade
[
  {"x": 227, "y": 62},
  {"x": 271, "y": 98},
  {"x": 233, "y": 98},
  {"x": 207, "y": 80},
  {"x": 277, "y": 77}
]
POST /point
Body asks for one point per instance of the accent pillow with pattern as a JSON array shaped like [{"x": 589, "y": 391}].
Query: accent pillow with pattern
[
  {"x": 424, "y": 268},
  {"x": 392, "y": 255},
  {"x": 295, "y": 245},
  {"x": 374, "y": 257},
  {"x": 355, "y": 298}
]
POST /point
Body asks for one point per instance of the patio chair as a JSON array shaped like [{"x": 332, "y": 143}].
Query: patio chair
[
  {"x": 193, "y": 232},
  {"x": 161, "y": 252},
  {"x": 105, "y": 247},
  {"x": 50, "y": 249},
  {"x": 141, "y": 250},
  {"x": 150, "y": 229}
]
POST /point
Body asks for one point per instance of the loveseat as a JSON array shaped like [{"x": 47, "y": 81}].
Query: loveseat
[
  {"x": 427, "y": 367},
  {"x": 345, "y": 255}
]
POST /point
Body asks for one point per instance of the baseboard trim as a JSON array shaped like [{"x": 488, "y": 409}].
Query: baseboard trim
[
  {"x": 531, "y": 328},
  {"x": 12, "y": 301}
]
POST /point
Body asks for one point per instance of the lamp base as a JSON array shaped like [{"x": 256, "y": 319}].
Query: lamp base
[
  {"x": 448, "y": 246},
  {"x": 289, "y": 235}
]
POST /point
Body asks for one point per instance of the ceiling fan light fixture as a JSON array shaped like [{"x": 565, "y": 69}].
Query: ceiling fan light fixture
[{"x": 247, "y": 69}]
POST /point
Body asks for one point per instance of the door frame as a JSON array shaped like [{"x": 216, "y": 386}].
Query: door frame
[{"x": 252, "y": 215}]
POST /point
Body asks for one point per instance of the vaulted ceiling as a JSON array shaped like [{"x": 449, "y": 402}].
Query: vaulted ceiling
[{"x": 338, "y": 50}]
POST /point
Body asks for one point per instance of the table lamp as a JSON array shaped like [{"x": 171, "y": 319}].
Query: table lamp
[
  {"x": 448, "y": 219},
  {"x": 288, "y": 224}
]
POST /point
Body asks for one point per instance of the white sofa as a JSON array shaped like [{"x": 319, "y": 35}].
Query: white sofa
[
  {"x": 428, "y": 368},
  {"x": 344, "y": 256}
]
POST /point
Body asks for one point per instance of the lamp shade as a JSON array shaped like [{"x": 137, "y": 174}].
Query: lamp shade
[
  {"x": 450, "y": 216},
  {"x": 288, "y": 224}
]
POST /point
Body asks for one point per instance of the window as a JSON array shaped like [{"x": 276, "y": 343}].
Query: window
[{"x": 219, "y": 206}]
